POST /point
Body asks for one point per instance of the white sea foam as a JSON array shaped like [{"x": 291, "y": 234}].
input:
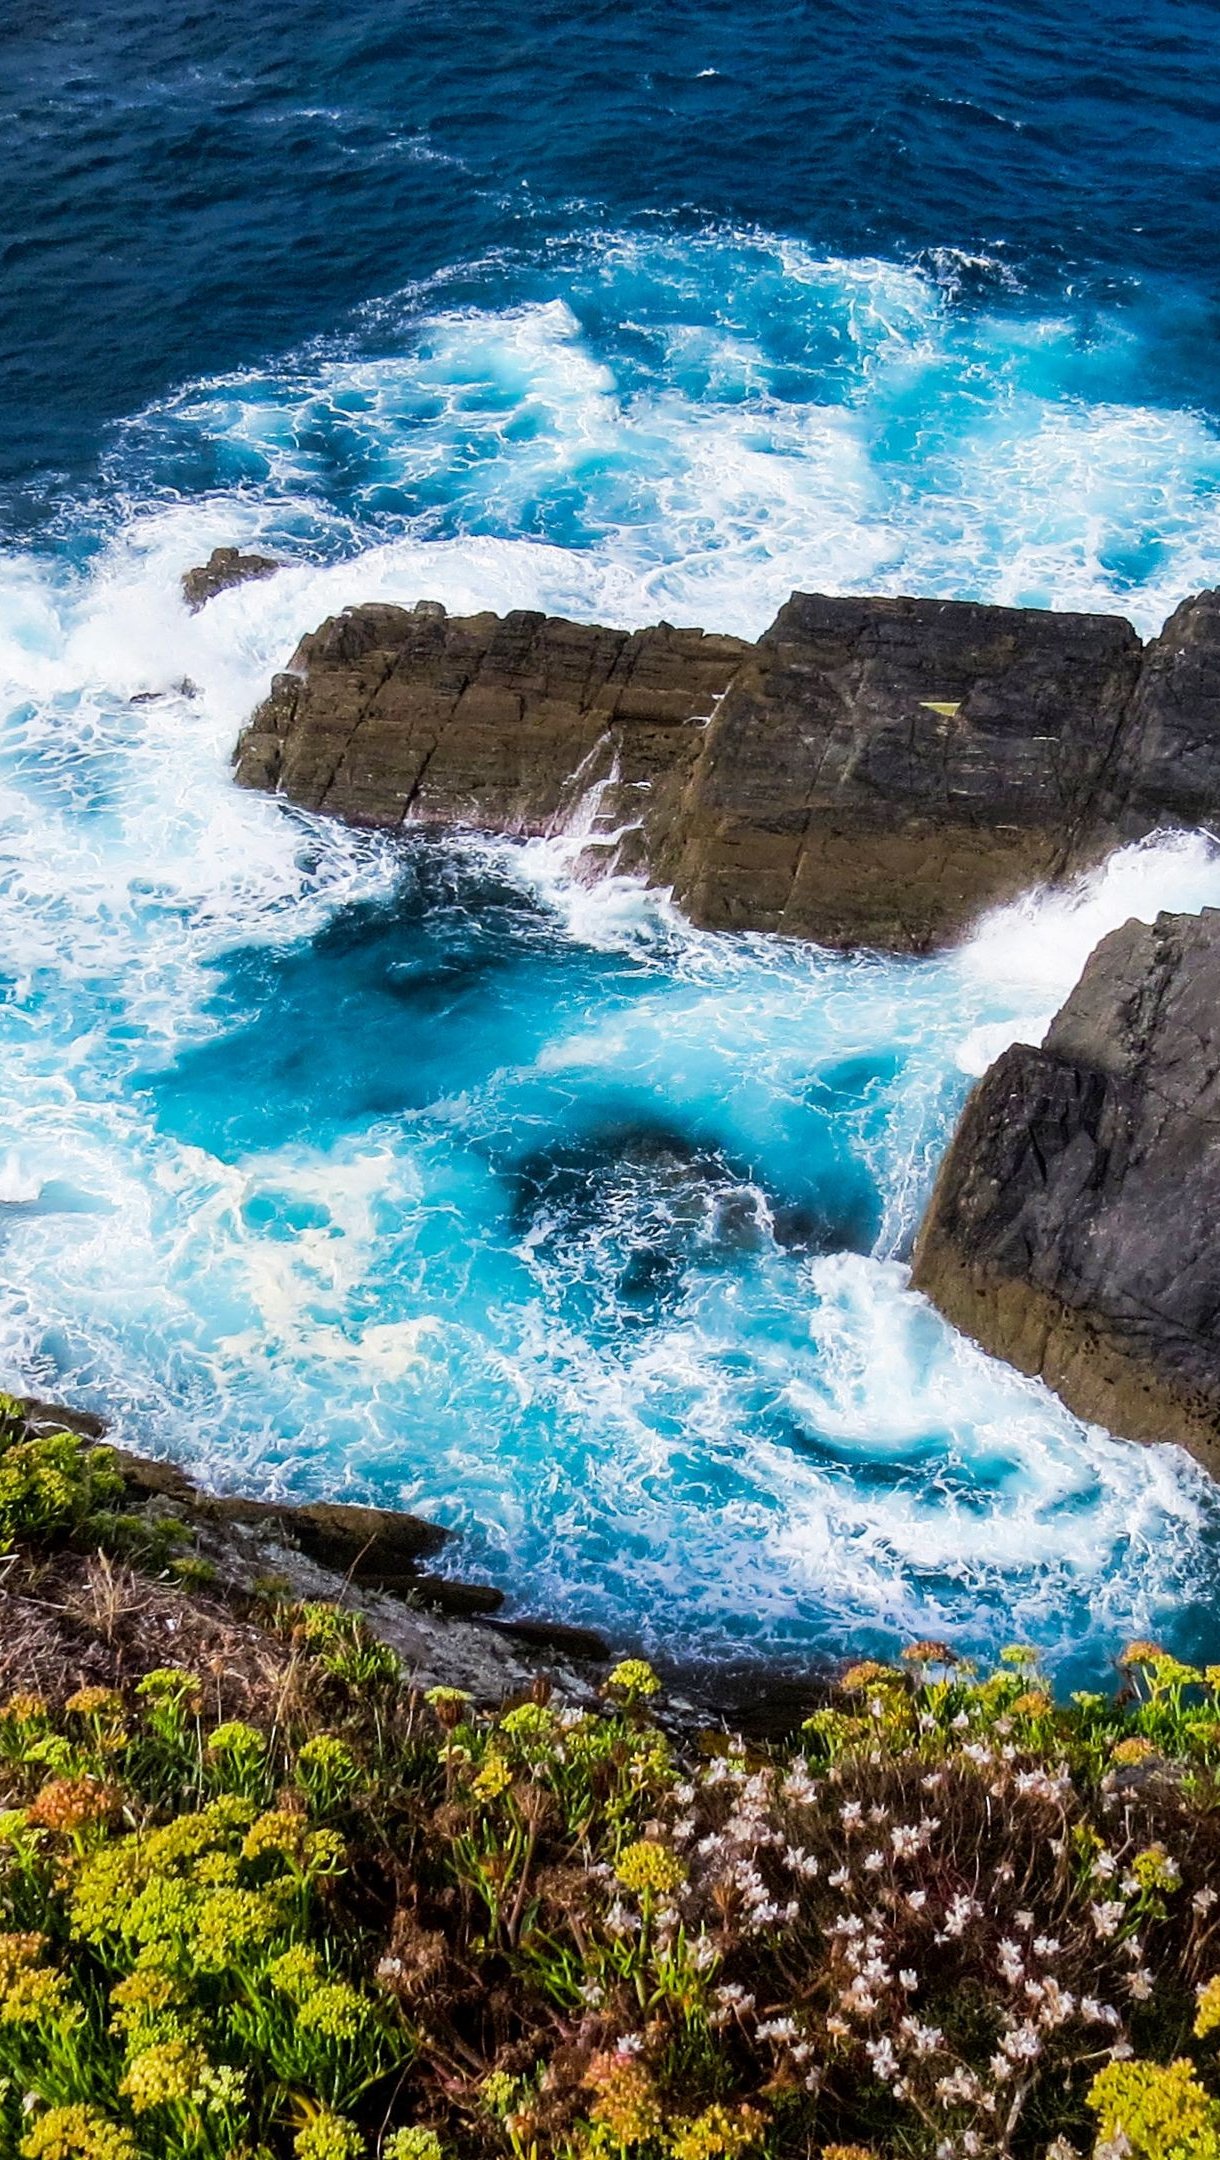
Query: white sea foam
[{"x": 795, "y": 421}]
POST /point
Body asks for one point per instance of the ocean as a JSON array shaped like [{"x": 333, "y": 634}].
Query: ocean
[{"x": 421, "y": 1173}]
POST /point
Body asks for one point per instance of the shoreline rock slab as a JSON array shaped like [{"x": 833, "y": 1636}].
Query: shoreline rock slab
[
  {"x": 1072, "y": 1229},
  {"x": 871, "y": 772}
]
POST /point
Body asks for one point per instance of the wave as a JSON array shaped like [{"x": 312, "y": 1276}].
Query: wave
[{"x": 705, "y": 421}]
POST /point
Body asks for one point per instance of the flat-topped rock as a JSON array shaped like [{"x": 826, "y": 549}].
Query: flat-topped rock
[
  {"x": 517, "y": 724},
  {"x": 881, "y": 771},
  {"x": 1073, "y": 1225},
  {"x": 871, "y": 772}
]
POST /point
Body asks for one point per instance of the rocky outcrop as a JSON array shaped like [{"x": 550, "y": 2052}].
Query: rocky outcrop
[
  {"x": 871, "y": 772},
  {"x": 375, "y": 1550},
  {"x": 1073, "y": 1225},
  {"x": 224, "y": 567},
  {"x": 519, "y": 725},
  {"x": 883, "y": 770}
]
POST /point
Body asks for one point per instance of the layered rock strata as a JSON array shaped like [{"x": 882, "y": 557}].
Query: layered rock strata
[
  {"x": 1073, "y": 1225},
  {"x": 871, "y": 772}
]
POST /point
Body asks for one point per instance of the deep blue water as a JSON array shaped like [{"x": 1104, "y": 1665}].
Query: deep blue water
[{"x": 421, "y": 1173}]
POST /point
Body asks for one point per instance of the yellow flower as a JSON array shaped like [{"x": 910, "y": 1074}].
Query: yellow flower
[
  {"x": 865, "y": 1675},
  {"x": 77, "y": 2133},
  {"x": 494, "y": 1778},
  {"x": 929, "y": 1653},
  {"x": 1207, "y": 2015},
  {"x": 141, "y": 1998},
  {"x": 1033, "y": 1703},
  {"x": 69, "y": 1803},
  {"x": 228, "y": 1924},
  {"x": 1155, "y": 2111},
  {"x": 36, "y": 1997},
  {"x": 1141, "y": 1653},
  {"x": 336, "y": 2011},
  {"x": 417, "y": 2144},
  {"x": 278, "y": 1831},
  {"x": 18, "y": 1953},
  {"x": 627, "y": 2105},
  {"x": 296, "y": 1973},
  {"x": 170, "y": 1683},
  {"x": 24, "y": 1707},
  {"x": 95, "y": 1702},
  {"x": 646, "y": 1865},
  {"x": 328, "y": 2137},
  {"x": 235, "y": 1738},
  {"x": 634, "y": 1676},
  {"x": 720, "y": 2133},
  {"x": 164, "y": 2075},
  {"x": 1136, "y": 1749},
  {"x": 1154, "y": 1870},
  {"x": 529, "y": 1721}
]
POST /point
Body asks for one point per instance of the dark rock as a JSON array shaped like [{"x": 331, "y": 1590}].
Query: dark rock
[
  {"x": 507, "y": 725},
  {"x": 51, "y": 1417},
  {"x": 1073, "y": 1225},
  {"x": 871, "y": 772},
  {"x": 581, "y": 1643},
  {"x": 881, "y": 771},
  {"x": 373, "y": 1548},
  {"x": 1167, "y": 767},
  {"x": 225, "y": 566}
]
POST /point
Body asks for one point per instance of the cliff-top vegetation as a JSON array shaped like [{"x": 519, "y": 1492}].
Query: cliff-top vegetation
[{"x": 953, "y": 1918}]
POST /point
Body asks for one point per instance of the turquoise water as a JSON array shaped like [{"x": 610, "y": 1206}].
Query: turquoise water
[
  {"x": 422, "y": 1173},
  {"x": 427, "y": 1175}
]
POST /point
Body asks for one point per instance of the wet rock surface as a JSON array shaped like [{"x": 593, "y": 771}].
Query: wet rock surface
[
  {"x": 871, "y": 772},
  {"x": 1073, "y": 1225},
  {"x": 225, "y": 566},
  {"x": 514, "y": 724}
]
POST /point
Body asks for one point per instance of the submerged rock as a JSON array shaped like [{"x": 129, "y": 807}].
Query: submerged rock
[
  {"x": 1073, "y": 1225},
  {"x": 225, "y": 566}
]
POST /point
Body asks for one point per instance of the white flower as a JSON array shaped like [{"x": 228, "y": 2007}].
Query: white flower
[
  {"x": 961, "y": 1912},
  {"x": 961, "y": 2084},
  {"x": 780, "y": 2028},
  {"x": 908, "y": 1981},
  {"x": 1140, "y": 1984},
  {"x": 883, "y": 2059},
  {"x": 924, "y": 2039},
  {"x": 1022, "y": 2043},
  {"x": 1203, "y": 1900},
  {"x": 1107, "y": 1915},
  {"x": 874, "y": 1862}
]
